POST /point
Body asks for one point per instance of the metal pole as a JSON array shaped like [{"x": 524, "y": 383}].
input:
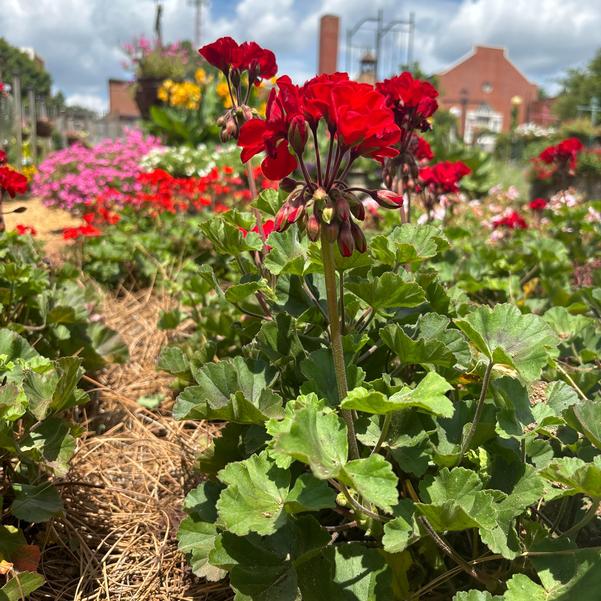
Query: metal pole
[
  {"x": 379, "y": 29},
  {"x": 33, "y": 139},
  {"x": 18, "y": 119},
  {"x": 594, "y": 110},
  {"x": 410, "y": 39}
]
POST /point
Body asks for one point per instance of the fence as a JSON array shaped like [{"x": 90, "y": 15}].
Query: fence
[{"x": 32, "y": 128}]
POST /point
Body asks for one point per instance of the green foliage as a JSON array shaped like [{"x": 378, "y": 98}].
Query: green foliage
[{"x": 473, "y": 397}]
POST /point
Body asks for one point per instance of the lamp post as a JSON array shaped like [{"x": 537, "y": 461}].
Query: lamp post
[{"x": 516, "y": 102}]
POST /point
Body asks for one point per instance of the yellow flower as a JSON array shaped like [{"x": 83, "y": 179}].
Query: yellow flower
[
  {"x": 224, "y": 93},
  {"x": 262, "y": 109},
  {"x": 200, "y": 75}
]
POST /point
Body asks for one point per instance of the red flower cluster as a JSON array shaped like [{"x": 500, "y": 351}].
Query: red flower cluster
[
  {"x": 412, "y": 100},
  {"x": 227, "y": 55},
  {"x": 443, "y": 178},
  {"x": 538, "y": 204},
  {"x": 421, "y": 149},
  {"x": 25, "y": 229},
  {"x": 356, "y": 117},
  {"x": 561, "y": 159},
  {"x": 2, "y": 155},
  {"x": 85, "y": 231},
  {"x": 511, "y": 221},
  {"x": 12, "y": 181}
]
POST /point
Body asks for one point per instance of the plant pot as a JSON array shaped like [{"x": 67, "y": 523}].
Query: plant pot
[
  {"x": 146, "y": 94},
  {"x": 43, "y": 128}
]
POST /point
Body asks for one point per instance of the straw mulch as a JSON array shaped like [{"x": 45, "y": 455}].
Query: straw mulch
[{"x": 123, "y": 495}]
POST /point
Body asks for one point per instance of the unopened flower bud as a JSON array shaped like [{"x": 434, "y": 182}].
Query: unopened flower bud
[
  {"x": 320, "y": 194},
  {"x": 297, "y": 134},
  {"x": 235, "y": 77},
  {"x": 331, "y": 231},
  {"x": 313, "y": 228},
  {"x": 288, "y": 184},
  {"x": 358, "y": 210},
  {"x": 358, "y": 237},
  {"x": 245, "y": 113},
  {"x": 281, "y": 218},
  {"x": 388, "y": 199},
  {"x": 230, "y": 129},
  {"x": 346, "y": 242},
  {"x": 341, "y": 205}
]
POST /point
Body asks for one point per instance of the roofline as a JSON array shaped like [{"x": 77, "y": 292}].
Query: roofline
[{"x": 472, "y": 52}]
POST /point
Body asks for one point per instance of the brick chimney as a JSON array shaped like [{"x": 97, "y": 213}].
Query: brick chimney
[{"x": 329, "y": 27}]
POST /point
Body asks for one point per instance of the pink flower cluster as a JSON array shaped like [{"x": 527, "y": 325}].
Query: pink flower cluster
[{"x": 74, "y": 177}]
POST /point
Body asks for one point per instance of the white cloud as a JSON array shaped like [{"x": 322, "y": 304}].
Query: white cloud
[{"x": 89, "y": 101}]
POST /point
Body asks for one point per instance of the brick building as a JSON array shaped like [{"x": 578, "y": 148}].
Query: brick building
[
  {"x": 122, "y": 106},
  {"x": 487, "y": 92}
]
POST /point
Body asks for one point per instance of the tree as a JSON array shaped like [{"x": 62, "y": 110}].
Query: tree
[
  {"x": 580, "y": 86},
  {"x": 16, "y": 63}
]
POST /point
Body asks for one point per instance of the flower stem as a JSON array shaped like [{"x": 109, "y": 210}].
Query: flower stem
[
  {"x": 465, "y": 445},
  {"x": 329, "y": 269},
  {"x": 588, "y": 517}
]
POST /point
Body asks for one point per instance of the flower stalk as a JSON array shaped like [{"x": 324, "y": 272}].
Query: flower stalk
[{"x": 329, "y": 269}]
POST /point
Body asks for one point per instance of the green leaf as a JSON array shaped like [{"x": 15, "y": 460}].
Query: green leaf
[
  {"x": 254, "y": 498},
  {"x": 173, "y": 360},
  {"x": 20, "y": 586},
  {"x": 476, "y": 596},
  {"x": 233, "y": 390},
  {"x": 51, "y": 444},
  {"x": 408, "y": 243},
  {"x": 314, "y": 437},
  {"x": 249, "y": 285},
  {"x": 374, "y": 479},
  {"x": 266, "y": 568},
  {"x": 588, "y": 420},
  {"x": 227, "y": 237},
  {"x": 197, "y": 539},
  {"x": 387, "y": 291},
  {"x": 416, "y": 352},
  {"x": 310, "y": 494},
  {"x": 506, "y": 337},
  {"x": 348, "y": 572},
  {"x": 399, "y": 531},
  {"x": 319, "y": 370},
  {"x": 428, "y": 395},
  {"x": 288, "y": 253},
  {"x": 268, "y": 202},
  {"x": 35, "y": 503},
  {"x": 14, "y": 346},
  {"x": 521, "y": 588},
  {"x": 575, "y": 474}
]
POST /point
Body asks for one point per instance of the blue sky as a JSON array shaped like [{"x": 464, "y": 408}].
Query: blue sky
[{"x": 80, "y": 39}]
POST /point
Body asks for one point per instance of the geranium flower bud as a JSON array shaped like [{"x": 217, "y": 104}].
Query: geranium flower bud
[
  {"x": 389, "y": 199},
  {"x": 297, "y": 134},
  {"x": 341, "y": 205},
  {"x": 281, "y": 218},
  {"x": 288, "y": 184},
  {"x": 230, "y": 129},
  {"x": 313, "y": 228},
  {"x": 331, "y": 231},
  {"x": 235, "y": 77},
  {"x": 359, "y": 238},
  {"x": 295, "y": 212},
  {"x": 346, "y": 241},
  {"x": 358, "y": 210}
]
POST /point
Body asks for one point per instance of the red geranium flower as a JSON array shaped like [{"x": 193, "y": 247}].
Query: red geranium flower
[
  {"x": 226, "y": 54},
  {"x": 73, "y": 233},
  {"x": 442, "y": 178},
  {"x": 25, "y": 229},
  {"x": 2, "y": 155},
  {"x": 412, "y": 100},
  {"x": 422, "y": 151},
  {"x": 562, "y": 155},
  {"x": 512, "y": 221},
  {"x": 538, "y": 204},
  {"x": 12, "y": 182}
]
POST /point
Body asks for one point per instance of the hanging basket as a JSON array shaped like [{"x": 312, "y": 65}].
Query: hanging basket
[
  {"x": 146, "y": 94},
  {"x": 44, "y": 128}
]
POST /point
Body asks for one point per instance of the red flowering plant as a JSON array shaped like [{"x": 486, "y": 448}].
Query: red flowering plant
[
  {"x": 559, "y": 161},
  {"x": 371, "y": 417},
  {"x": 12, "y": 183},
  {"x": 439, "y": 183},
  {"x": 413, "y": 102}
]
